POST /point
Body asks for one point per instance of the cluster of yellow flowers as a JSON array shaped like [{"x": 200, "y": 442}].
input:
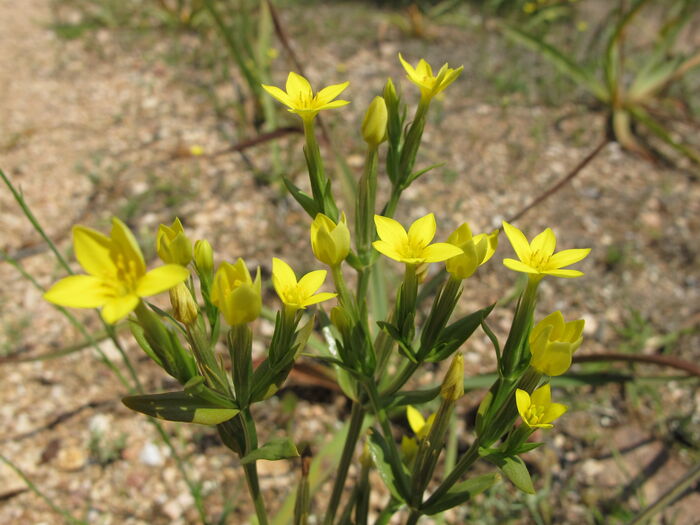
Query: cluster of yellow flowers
[{"x": 117, "y": 281}]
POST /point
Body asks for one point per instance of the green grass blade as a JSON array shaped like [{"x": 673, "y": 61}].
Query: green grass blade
[
  {"x": 563, "y": 63},
  {"x": 657, "y": 129}
]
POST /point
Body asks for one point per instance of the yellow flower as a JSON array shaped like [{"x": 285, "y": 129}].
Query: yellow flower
[
  {"x": 300, "y": 99},
  {"x": 374, "y": 123},
  {"x": 553, "y": 343},
  {"x": 420, "y": 427},
  {"x": 429, "y": 84},
  {"x": 298, "y": 294},
  {"x": 475, "y": 251},
  {"x": 117, "y": 275},
  {"x": 330, "y": 242},
  {"x": 537, "y": 258},
  {"x": 413, "y": 247},
  {"x": 538, "y": 411},
  {"x": 234, "y": 292},
  {"x": 172, "y": 244}
]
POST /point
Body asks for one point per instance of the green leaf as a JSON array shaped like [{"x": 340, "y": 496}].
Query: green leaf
[
  {"x": 454, "y": 335},
  {"x": 642, "y": 116},
  {"x": 395, "y": 477},
  {"x": 562, "y": 62},
  {"x": 526, "y": 447},
  {"x": 462, "y": 492},
  {"x": 411, "y": 397},
  {"x": 179, "y": 406},
  {"x": 304, "y": 200},
  {"x": 282, "y": 448},
  {"x": 417, "y": 174},
  {"x": 515, "y": 470}
]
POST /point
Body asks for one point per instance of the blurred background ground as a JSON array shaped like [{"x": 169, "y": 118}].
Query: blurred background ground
[{"x": 101, "y": 121}]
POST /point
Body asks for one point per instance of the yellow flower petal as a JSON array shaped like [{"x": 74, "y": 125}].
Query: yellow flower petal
[
  {"x": 161, "y": 279},
  {"x": 553, "y": 411},
  {"x": 79, "y": 291},
  {"x": 422, "y": 230},
  {"x": 387, "y": 249},
  {"x": 282, "y": 276},
  {"x": 415, "y": 419},
  {"x": 92, "y": 249},
  {"x": 408, "y": 67},
  {"x": 440, "y": 251},
  {"x": 522, "y": 400},
  {"x": 564, "y": 273},
  {"x": 519, "y": 266},
  {"x": 568, "y": 257},
  {"x": 311, "y": 282},
  {"x": 329, "y": 93},
  {"x": 279, "y": 95},
  {"x": 542, "y": 396},
  {"x": 544, "y": 243},
  {"x": 298, "y": 87},
  {"x": 119, "y": 307},
  {"x": 318, "y": 298},
  {"x": 518, "y": 241},
  {"x": 125, "y": 243},
  {"x": 390, "y": 231},
  {"x": 331, "y": 105}
]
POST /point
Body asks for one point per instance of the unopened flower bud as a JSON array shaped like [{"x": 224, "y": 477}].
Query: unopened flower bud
[
  {"x": 204, "y": 257},
  {"x": 374, "y": 124},
  {"x": 452, "y": 387},
  {"x": 172, "y": 244},
  {"x": 330, "y": 242},
  {"x": 236, "y": 294},
  {"x": 553, "y": 343},
  {"x": 184, "y": 305}
]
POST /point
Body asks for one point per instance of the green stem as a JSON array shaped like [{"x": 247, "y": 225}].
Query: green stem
[
  {"x": 413, "y": 517},
  {"x": 356, "y": 417},
  {"x": 346, "y": 298},
  {"x": 66, "y": 515},
  {"x": 251, "y": 469},
  {"x": 513, "y": 349},
  {"x": 466, "y": 461},
  {"x": 407, "y": 369}
]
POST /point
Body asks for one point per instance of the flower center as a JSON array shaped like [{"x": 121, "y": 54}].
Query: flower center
[
  {"x": 534, "y": 414},
  {"x": 539, "y": 259},
  {"x": 127, "y": 273}
]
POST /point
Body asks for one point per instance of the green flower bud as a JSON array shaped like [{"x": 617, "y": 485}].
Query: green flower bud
[
  {"x": 184, "y": 305},
  {"x": 452, "y": 387},
  {"x": 204, "y": 257},
  {"x": 374, "y": 123}
]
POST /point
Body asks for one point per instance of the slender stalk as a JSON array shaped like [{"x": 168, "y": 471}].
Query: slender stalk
[
  {"x": 251, "y": 469},
  {"x": 466, "y": 461},
  {"x": 66, "y": 515},
  {"x": 413, "y": 517},
  {"x": 357, "y": 415},
  {"x": 669, "y": 496}
]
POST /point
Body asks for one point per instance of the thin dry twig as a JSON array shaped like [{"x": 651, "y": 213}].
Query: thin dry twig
[
  {"x": 568, "y": 178},
  {"x": 661, "y": 360}
]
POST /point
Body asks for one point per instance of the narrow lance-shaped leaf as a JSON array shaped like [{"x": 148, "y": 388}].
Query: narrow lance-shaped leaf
[
  {"x": 462, "y": 492},
  {"x": 179, "y": 406},
  {"x": 282, "y": 448}
]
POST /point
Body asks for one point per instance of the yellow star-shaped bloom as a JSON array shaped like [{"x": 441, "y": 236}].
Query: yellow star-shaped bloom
[
  {"x": 300, "y": 98},
  {"x": 537, "y": 258},
  {"x": 412, "y": 247}
]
